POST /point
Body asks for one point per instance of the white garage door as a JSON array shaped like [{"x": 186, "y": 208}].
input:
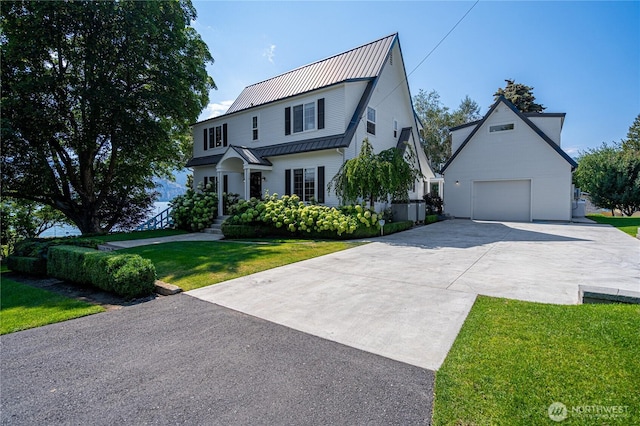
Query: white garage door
[{"x": 507, "y": 200}]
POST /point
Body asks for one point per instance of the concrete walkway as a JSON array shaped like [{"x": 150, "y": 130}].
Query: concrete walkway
[
  {"x": 194, "y": 236},
  {"x": 405, "y": 296}
]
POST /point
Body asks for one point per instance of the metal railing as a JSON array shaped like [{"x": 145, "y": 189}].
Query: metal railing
[{"x": 160, "y": 221}]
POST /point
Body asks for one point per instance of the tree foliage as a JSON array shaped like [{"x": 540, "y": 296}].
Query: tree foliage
[
  {"x": 632, "y": 143},
  {"x": 97, "y": 99},
  {"x": 437, "y": 119},
  {"x": 611, "y": 176},
  {"x": 375, "y": 177},
  {"x": 520, "y": 95}
]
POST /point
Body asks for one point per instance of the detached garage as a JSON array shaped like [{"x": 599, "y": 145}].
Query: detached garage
[{"x": 509, "y": 166}]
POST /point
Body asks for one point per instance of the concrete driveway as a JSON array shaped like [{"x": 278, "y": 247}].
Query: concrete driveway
[{"x": 405, "y": 296}]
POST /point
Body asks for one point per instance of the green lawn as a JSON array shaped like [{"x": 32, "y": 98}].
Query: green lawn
[
  {"x": 22, "y": 307},
  {"x": 196, "y": 264},
  {"x": 628, "y": 225},
  {"x": 513, "y": 359}
]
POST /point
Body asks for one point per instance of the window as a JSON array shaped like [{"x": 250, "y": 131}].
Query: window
[
  {"x": 304, "y": 182},
  {"x": 371, "y": 120},
  {"x": 501, "y": 127},
  {"x": 303, "y": 117},
  {"x": 310, "y": 116},
  {"x": 395, "y": 128},
  {"x": 213, "y": 180},
  {"x": 254, "y": 127},
  {"x": 218, "y": 136},
  {"x": 309, "y": 184}
]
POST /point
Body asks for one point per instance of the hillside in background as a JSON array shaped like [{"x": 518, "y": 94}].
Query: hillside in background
[{"x": 169, "y": 190}]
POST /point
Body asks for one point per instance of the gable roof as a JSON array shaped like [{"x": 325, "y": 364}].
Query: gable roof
[
  {"x": 524, "y": 118},
  {"x": 360, "y": 63}
]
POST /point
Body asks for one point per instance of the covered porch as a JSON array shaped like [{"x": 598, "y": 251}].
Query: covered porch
[{"x": 240, "y": 171}]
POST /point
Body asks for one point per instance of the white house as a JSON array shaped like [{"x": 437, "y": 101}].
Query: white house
[
  {"x": 291, "y": 133},
  {"x": 509, "y": 166}
]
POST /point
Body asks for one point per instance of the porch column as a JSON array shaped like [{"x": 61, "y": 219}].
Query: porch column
[
  {"x": 219, "y": 190},
  {"x": 247, "y": 182}
]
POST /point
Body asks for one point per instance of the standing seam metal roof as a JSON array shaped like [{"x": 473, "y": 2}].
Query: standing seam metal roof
[{"x": 360, "y": 63}]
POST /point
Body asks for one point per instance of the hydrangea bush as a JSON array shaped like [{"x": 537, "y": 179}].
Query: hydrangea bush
[
  {"x": 291, "y": 214},
  {"x": 195, "y": 210}
]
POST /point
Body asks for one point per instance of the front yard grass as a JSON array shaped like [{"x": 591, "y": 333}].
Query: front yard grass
[
  {"x": 23, "y": 307},
  {"x": 628, "y": 225},
  {"x": 196, "y": 264},
  {"x": 513, "y": 359}
]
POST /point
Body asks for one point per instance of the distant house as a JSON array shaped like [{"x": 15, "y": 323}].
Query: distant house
[
  {"x": 290, "y": 134},
  {"x": 509, "y": 166}
]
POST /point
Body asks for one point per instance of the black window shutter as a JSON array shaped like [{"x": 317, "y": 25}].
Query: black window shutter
[
  {"x": 224, "y": 134},
  {"x": 321, "y": 184},
  {"x": 287, "y": 182},
  {"x": 321, "y": 113},
  {"x": 206, "y": 143},
  {"x": 225, "y": 184},
  {"x": 287, "y": 121},
  {"x": 206, "y": 181}
]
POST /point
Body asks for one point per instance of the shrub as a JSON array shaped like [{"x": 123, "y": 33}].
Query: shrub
[
  {"x": 290, "y": 216},
  {"x": 127, "y": 275},
  {"x": 39, "y": 247},
  {"x": 432, "y": 218},
  {"x": 195, "y": 210},
  {"x": 433, "y": 204},
  {"x": 390, "y": 228},
  {"x": 27, "y": 265}
]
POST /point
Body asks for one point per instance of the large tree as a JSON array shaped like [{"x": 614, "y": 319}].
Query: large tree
[
  {"x": 520, "y": 95},
  {"x": 97, "y": 98},
  {"x": 437, "y": 119}
]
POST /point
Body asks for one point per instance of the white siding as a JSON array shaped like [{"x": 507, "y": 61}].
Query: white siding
[
  {"x": 458, "y": 136},
  {"x": 551, "y": 126},
  {"x": 510, "y": 155}
]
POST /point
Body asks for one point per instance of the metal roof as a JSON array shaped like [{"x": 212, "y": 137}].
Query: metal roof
[
  {"x": 363, "y": 62},
  {"x": 251, "y": 156},
  {"x": 203, "y": 161}
]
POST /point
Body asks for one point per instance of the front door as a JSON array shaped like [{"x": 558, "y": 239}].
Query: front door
[{"x": 255, "y": 185}]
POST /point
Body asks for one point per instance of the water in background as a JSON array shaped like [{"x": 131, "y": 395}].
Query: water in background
[{"x": 67, "y": 230}]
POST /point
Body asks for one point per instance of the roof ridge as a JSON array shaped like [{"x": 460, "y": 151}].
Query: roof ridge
[{"x": 323, "y": 60}]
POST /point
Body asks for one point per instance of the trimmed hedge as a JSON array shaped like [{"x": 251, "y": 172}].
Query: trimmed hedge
[
  {"x": 127, "y": 275},
  {"x": 27, "y": 265},
  {"x": 393, "y": 227},
  {"x": 432, "y": 218}
]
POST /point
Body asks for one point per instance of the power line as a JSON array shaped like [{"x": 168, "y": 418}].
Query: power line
[{"x": 432, "y": 50}]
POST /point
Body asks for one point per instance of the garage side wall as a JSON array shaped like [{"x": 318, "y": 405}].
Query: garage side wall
[{"x": 511, "y": 155}]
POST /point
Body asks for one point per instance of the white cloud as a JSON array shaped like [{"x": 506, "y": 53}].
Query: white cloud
[
  {"x": 573, "y": 151},
  {"x": 215, "y": 109},
  {"x": 270, "y": 52}
]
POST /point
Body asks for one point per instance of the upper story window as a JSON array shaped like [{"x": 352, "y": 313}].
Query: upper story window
[
  {"x": 303, "y": 117},
  {"x": 215, "y": 137},
  {"x": 371, "y": 120},
  {"x": 254, "y": 127},
  {"x": 395, "y": 128},
  {"x": 501, "y": 127}
]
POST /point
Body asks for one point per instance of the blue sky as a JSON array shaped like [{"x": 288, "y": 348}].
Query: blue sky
[{"x": 582, "y": 58}]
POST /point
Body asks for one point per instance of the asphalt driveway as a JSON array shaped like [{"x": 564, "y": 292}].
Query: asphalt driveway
[
  {"x": 179, "y": 360},
  {"x": 405, "y": 296}
]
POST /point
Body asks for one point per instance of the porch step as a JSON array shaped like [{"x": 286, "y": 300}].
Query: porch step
[{"x": 216, "y": 226}]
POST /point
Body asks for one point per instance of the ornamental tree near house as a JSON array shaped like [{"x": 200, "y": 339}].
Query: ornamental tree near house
[
  {"x": 611, "y": 176},
  {"x": 375, "y": 177},
  {"x": 97, "y": 98}
]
